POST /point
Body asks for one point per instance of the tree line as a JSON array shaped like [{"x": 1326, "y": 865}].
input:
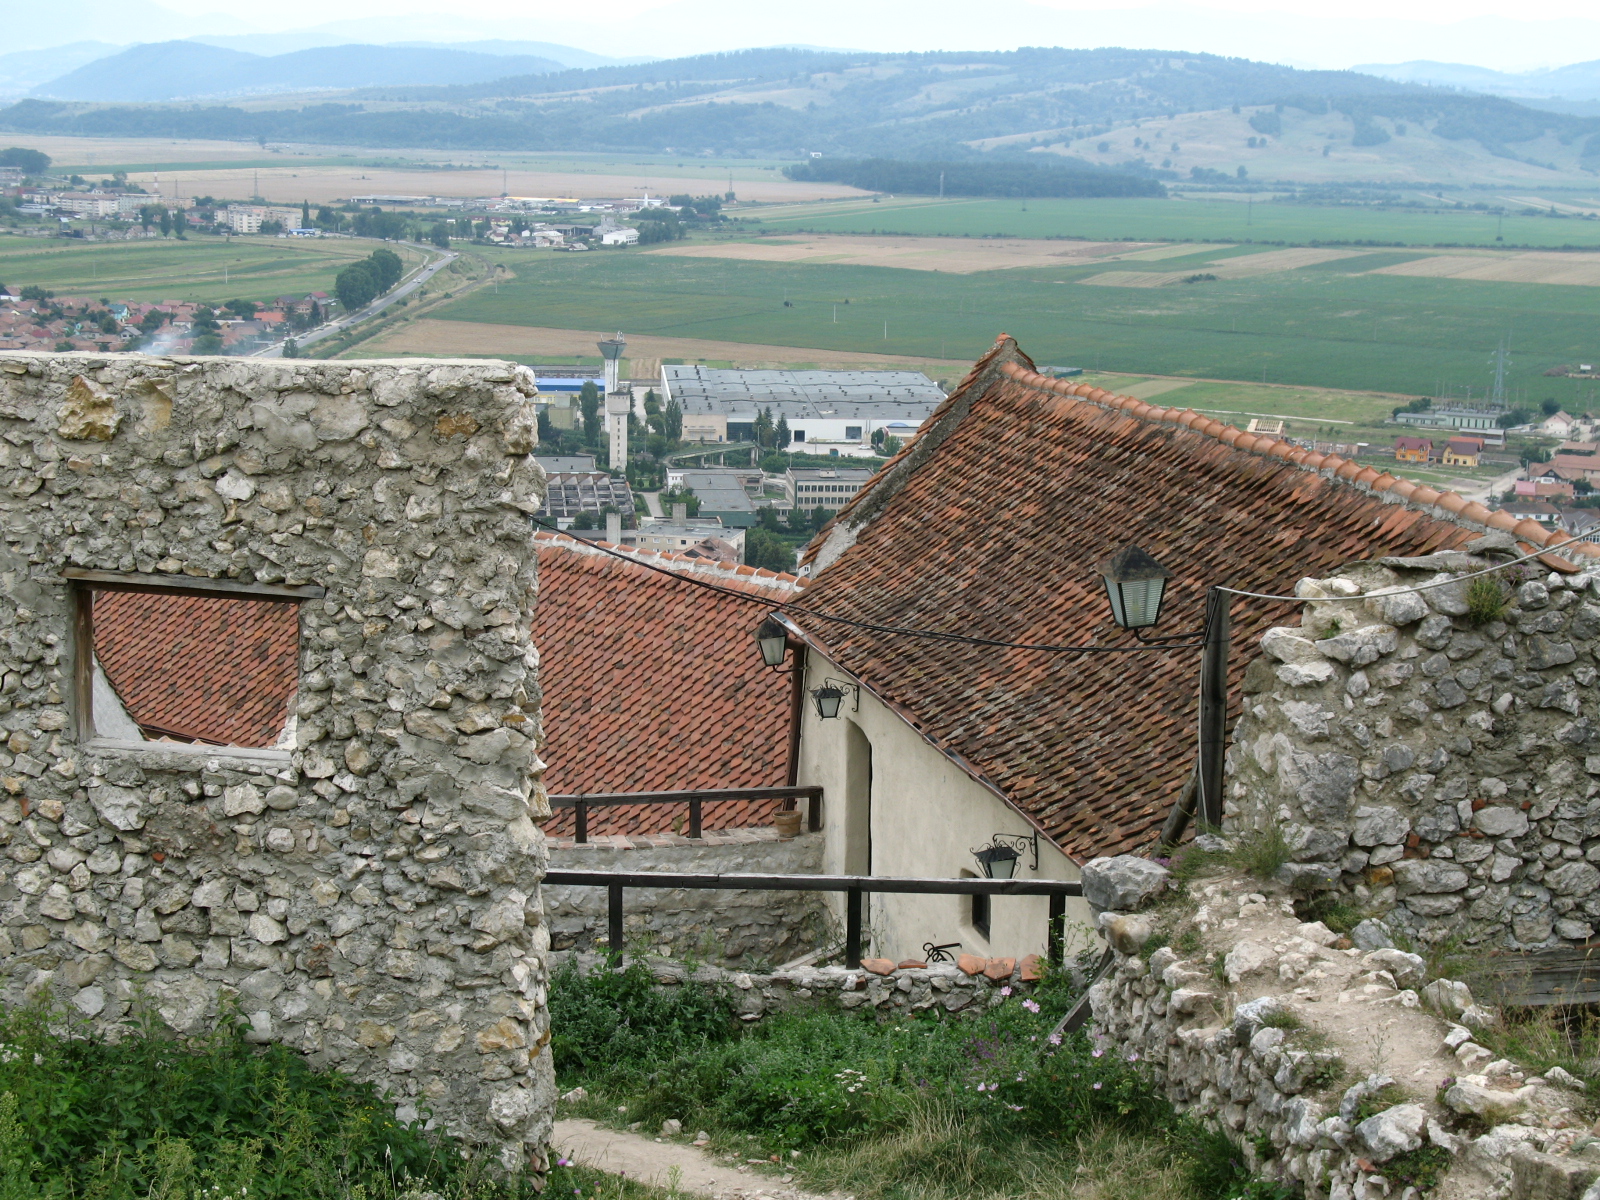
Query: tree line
[
  {"x": 1073, "y": 178},
  {"x": 359, "y": 284}
]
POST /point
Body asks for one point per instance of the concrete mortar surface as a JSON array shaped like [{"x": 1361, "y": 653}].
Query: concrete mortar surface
[{"x": 646, "y": 1160}]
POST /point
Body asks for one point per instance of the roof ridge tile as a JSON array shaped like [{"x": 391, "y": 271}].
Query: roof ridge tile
[{"x": 1405, "y": 491}]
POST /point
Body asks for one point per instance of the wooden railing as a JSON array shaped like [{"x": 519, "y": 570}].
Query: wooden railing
[
  {"x": 695, "y": 799},
  {"x": 855, "y": 887}
]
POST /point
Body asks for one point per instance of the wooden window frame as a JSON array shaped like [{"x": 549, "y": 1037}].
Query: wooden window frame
[{"x": 82, "y": 584}]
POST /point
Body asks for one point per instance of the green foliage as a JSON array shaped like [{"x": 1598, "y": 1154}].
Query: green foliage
[
  {"x": 1217, "y": 1170},
  {"x": 1282, "y": 1018},
  {"x": 157, "y": 1117},
  {"x": 1255, "y": 852},
  {"x": 388, "y": 268},
  {"x": 1073, "y": 177},
  {"x": 589, "y": 408},
  {"x": 1267, "y": 121},
  {"x": 764, "y": 548},
  {"x": 439, "y": 235},
  {"x": 1487, "y": 600},
  {"x": 1422, "y": 1168},
  {"x": 1337, "y": 914},
  {"x": 356, "y": 286},
  {"x": 619, "y": 1020},
  {"x": 29, "y": 162}
]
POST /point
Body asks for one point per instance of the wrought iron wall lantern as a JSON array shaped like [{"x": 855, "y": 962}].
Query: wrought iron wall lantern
[
  {"x": 829, "y": 698},
  {"x": 773, "y": 640},
  {"x": 999, "y": 858}
]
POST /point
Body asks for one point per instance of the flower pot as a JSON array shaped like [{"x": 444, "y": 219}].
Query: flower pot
[{"x": 787, "y": 824}]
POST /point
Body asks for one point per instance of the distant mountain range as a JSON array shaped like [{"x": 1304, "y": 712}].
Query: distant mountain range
[
  {"x": 184, "y": 70},
  {"x": 1114, "y": 109},
  {"x": 1578, "y": 83}
]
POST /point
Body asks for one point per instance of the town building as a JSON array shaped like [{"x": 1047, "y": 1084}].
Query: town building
[
  {"x": 566, "y": 463},
  {"x": 723, "y": 493},
  {"x": 620, "y": 237},
  {"x": 1454, "y": 416},
  {"x": 1461, "y": 452},
  {"x": 593, "y": 492},
  {"x": 827, "y": 412},
  {"x": 1544, "y": 489},
  {"x": 1545, "y": 513},
  {"x": 615, "y": 638},
  {"x": 808, "y": 488},
  {"x": 1413, "y": 449}
]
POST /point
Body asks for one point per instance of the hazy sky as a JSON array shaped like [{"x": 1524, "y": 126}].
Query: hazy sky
[
  {"x": 1482, "y": 32},
  {"x": 1309, "y": 34}
]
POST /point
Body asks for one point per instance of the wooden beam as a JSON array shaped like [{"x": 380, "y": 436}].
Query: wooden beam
[{"x": 185, "y": 585}]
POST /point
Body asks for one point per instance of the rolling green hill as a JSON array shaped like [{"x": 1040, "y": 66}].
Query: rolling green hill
[{"x": 1088, "y": 105}]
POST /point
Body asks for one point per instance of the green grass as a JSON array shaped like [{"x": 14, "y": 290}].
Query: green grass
[
  {"x": 914, "y": 1107},
  {"x": 1319, "y": 329},
  {"x": 1180, "y": 221},
  {"x": 197, "y": 268},
  {"x": 156, "y": 1117}
]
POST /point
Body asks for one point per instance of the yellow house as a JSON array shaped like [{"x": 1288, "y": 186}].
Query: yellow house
[{"x": 1462, "y": 452}]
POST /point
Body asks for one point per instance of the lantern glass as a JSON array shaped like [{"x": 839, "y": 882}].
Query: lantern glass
[
  {"x": 998, "y": 862},
  {"x": 773, "y": 641},
  {"x": 1135, "y": 585},
  {"x": 828, "y": 700}
]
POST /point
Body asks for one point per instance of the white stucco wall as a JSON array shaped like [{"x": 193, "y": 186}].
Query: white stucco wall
[{"x": 927, "y": 815}]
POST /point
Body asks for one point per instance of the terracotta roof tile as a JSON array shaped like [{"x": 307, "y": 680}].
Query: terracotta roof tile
[
  {"x": 202, "y": 668},
  {"x": 653, "y": 685},
  {"x": 1092, "y": 749}
]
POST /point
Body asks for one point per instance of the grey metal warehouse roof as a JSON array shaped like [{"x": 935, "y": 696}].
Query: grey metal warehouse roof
[{"x": 838, "y": 394}]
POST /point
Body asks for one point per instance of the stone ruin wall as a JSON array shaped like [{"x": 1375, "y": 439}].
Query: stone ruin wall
[
  {"x": 746, "y": 930},
  {"x": 369, "y": 897},
  {"x": 1441, "y": 773}
]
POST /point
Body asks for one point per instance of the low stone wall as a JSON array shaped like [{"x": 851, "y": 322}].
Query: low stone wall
[
  {"x": 967, "y": 989},
  {"x": 1336, "y": 1067},
  {"x": 708, "y": 926},
  {"x": 1441, "y": 769}
]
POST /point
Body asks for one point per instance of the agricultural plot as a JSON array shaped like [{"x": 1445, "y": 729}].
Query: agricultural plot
[
  {"x": 209, "y": 269},
  {"x": 1334, "y": 324},
  {"x": 1182, "y": 220}
]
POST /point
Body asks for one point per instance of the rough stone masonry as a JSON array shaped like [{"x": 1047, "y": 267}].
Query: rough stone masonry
[{"x": 368, "y": 893}]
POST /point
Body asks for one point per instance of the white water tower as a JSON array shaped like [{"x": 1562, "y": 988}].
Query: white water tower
[
  {"x": 611, "y": 351},
  {"x": 619, "y": 403}
]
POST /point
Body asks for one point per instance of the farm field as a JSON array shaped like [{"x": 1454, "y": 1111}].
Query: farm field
[
  {"x": 1182, "y": 220},
  {"x": 1333, "y": 324},
  {"x": 198, "y": 268},
  {"x": 321, "y": 174}
]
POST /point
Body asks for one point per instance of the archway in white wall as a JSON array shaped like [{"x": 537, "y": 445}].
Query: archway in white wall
[{"x": 857, "y": 800}]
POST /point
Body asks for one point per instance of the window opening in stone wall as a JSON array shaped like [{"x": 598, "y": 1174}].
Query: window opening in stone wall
[{"x": 208, "y": 670}]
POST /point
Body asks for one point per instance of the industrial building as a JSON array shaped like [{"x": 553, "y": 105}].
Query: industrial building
[{"x": 827, "y": 412}]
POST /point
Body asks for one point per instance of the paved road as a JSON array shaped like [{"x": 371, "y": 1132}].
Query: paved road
[{"x": 401, "y": 290}]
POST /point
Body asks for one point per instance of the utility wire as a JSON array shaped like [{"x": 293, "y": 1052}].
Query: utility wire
[
  {"x": 1182, "y": 642},
  {"x": 1185, "y": 641}
]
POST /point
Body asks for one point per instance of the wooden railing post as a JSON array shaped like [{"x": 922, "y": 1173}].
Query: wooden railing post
[
  {"x": 614, "y": 934},
  {"x": 581, "y": 807},
  {"x": 852, "y": 928},
  {"x": 1057, "y": 928},
  {"x": 694, "y": 816},
  {"x": 814, "y": 810}
]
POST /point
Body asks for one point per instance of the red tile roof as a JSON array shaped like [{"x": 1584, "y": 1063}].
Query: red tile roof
[
  {"x": 989, "y": 522},
  {"x": 200, "y": 668},
  {"x": 652, "y": 684}
]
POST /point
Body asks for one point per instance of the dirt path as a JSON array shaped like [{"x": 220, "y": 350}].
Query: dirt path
[{"x": 645, "y": 1160}]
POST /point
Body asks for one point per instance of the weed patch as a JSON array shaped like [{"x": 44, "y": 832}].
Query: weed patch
[{"x": 157, "y": 1116}]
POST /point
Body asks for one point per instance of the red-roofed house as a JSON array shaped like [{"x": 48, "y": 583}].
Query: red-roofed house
[
  {"x": 1413, "y": 449},
  {"x": 940, "y": 745},
  {"x": 653, "y": 684}
]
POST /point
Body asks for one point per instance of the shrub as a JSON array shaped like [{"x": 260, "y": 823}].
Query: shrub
[{"x": 620, "y": 1019}]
